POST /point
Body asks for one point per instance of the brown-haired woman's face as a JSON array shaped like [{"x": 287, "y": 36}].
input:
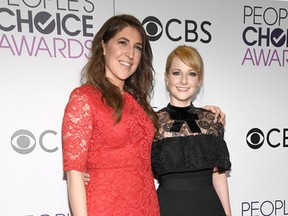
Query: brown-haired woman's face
[
  {"x": 122, "y": 55},
  {"x": 182, "y": 82}
]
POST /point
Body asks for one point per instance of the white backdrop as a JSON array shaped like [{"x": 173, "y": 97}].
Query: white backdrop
[{"x": 43, "y": 47}]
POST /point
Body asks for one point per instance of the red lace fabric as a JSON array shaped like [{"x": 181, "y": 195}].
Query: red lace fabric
[{"x": 116, "y": 156}]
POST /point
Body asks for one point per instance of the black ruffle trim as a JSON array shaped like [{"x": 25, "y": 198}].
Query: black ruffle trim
[{"x": 189, "y": 153}]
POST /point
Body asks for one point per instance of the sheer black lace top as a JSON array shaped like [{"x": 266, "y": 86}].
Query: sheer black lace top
[{"x": 188, "y": 140}]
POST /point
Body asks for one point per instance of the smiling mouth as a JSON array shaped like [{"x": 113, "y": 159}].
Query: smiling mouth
[
  {"x": 127, "y": 64},
  {"x": 182, "y": 88}
]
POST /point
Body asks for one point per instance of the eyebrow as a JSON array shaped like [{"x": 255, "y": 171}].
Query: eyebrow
[
  {"x": 126, "y": 39},
  {"x": 176, "y": 68}
]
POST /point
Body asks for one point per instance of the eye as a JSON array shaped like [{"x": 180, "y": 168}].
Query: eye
[
  {"x": 23, "y": 141},
  {"x": 175, "y": 73},
  {"x": 193, "y": 73},
  {"x": 139, "y": 48},
  {"x": 122, "y": 42}
]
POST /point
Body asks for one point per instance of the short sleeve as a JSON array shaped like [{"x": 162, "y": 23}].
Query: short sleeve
[{"x": 76, "y": 131}]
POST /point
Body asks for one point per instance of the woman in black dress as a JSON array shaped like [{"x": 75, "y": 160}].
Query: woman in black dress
[{"x": 189, "y": 155}]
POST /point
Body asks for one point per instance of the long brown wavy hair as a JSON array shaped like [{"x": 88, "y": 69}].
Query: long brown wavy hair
[{"x": 140, "y": 85}]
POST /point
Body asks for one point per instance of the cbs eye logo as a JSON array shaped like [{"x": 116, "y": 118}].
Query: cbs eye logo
[
  {"x": 24, "y": 141},
  {"x": 275, "y": 137},
  {"x": 153, "y": 27}
]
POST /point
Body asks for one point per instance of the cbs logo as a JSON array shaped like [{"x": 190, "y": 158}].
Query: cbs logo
[
  {"x": 275, "y": 137},
  {"x": 24, "y": 141},
  {"x": 175, "y": 29}
]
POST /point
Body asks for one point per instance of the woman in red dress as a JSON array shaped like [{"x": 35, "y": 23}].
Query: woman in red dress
[{"x": 108, "y": 126}]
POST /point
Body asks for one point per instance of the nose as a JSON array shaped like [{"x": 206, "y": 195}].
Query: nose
[
  {"x": 130, "y": 52},
  {"x": 183, "y": 79}
]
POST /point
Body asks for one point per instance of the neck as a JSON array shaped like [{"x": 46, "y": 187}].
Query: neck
[{"x": 180, "y": 104}]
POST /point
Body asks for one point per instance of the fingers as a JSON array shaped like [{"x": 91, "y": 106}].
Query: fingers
[
  {"x": 219, "y": 115},
  {"x": 222, "y": 119},
  {"x": 216, "y": 110},
  {"x": 86, "y": 178}
]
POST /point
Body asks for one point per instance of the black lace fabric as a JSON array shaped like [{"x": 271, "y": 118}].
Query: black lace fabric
[{"x": 188, "y": 140}]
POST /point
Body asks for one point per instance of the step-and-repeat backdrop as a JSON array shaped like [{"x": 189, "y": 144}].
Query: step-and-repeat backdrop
[{"x": 44, "y": 45}]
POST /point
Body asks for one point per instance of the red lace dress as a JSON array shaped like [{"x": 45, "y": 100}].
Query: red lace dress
[{"x": 116, "y": 156}]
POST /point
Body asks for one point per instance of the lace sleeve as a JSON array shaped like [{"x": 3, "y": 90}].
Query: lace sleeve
[{"x": 76, "y": 131}]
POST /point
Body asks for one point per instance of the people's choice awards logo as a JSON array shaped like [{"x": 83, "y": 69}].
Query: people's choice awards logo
[
  {"x": 264, "y": 208},
  {"x": 275, "y": 138},
  {"x": 265, "y": 34},
  {"x": 24, "y": 141},
  {"x": 175, "y": 30},
  {"x": 46, "y": 28}
]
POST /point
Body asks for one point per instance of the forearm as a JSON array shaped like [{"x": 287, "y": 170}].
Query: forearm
[
  {"x": 221, "y": 186},
  {"x": 76, "y": 193}
]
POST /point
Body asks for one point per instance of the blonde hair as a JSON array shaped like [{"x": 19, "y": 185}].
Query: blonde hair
[{"x": 190, "y": 56}]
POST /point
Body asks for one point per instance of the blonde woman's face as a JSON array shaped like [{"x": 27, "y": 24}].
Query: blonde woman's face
[
  {"x": 122, "y": 55},
  {"x": 182, "y": 82}
]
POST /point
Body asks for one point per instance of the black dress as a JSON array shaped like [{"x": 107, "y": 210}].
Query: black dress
[{"x": 184, "y": 153}]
